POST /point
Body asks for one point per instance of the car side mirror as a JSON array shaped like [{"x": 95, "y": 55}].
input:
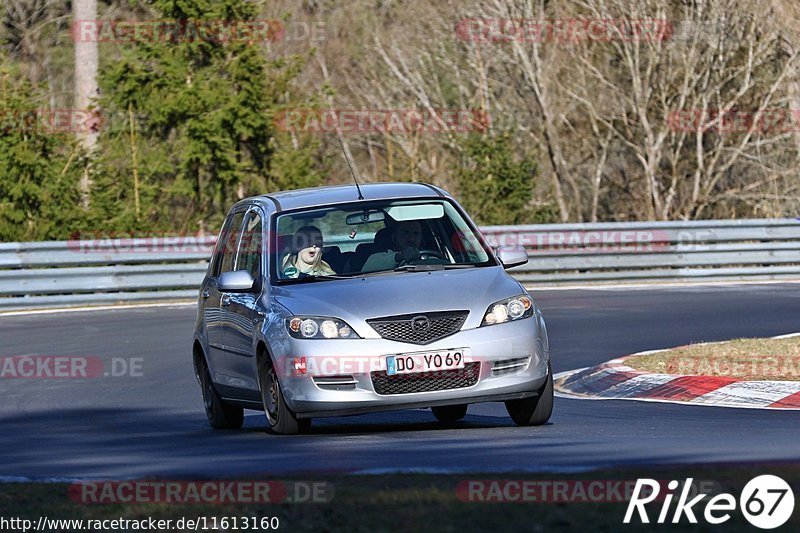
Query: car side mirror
[
  {"x": 512, "y": 256},
  {"x": 236, "y": 281}
]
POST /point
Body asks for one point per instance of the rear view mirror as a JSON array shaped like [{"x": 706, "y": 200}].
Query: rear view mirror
[
  {"x": 512, "y": 256},
  {"x": 365, "y": 217},
  {"x": 236, "y": 281}
]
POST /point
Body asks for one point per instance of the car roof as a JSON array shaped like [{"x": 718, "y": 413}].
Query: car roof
[{"x": 338, "y": 194}]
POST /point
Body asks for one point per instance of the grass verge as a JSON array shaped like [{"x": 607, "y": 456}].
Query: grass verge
[
  {"x": 745, "y": 359},
  {"x": 423, "y": 503}
]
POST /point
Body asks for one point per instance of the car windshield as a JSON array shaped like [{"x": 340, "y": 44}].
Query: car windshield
[{"x": 372, "y": 238}]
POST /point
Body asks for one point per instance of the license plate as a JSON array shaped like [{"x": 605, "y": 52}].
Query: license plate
[{"x": 413, "y": 363}]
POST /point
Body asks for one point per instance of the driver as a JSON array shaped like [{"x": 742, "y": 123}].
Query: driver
[{"x": 406, "y": 239}]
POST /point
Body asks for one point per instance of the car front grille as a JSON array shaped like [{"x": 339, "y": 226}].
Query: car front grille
[
  {"x": 426, "y": 381},
  {"x": 420, "y": 328}
]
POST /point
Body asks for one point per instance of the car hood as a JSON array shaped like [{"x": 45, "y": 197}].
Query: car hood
[{"x": 359, "y": 299}]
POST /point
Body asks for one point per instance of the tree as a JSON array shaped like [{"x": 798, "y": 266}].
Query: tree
[
  {"x": 496, "y": 185},
  {"x": 29, "y": 29},
  {"x": 39, "y": 169},
  {"x": 199, "y": 112}
]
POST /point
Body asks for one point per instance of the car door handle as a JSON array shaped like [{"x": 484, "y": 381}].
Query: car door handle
[
  {"x": 225, "y": 300},
  {"x": 206, "y": 294}
]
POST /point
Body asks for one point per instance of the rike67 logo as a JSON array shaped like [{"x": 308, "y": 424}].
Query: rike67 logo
[{"x": 766, "y": 502}]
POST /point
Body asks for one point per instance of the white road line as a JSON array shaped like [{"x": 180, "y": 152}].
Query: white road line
[
  {"x": 27, "y": 479},
  {"x": 183, "y": 303},
  {"x": 180, "y": 303},
  {"x": 569, "y": 372},
  {"x": 787, "y": 336},
  {"x": 657, "y": 285},
  {"x": 731, "y": 405}
]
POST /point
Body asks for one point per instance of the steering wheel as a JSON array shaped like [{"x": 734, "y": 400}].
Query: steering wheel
[{"x": 428, "y": 254}]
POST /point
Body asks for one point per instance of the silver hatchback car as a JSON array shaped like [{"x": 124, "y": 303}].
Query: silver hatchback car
[{"x": 339, "y": 301}]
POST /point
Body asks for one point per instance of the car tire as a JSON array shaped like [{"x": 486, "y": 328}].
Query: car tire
[
  {"x": 280, "y": 419},
  {"x": 449, "y": 414},
  {"x": 220, "y": 415},
  {"x": 533, "y": 411}
]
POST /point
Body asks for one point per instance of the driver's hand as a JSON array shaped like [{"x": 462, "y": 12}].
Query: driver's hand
[{"x": 410, "y": 253}]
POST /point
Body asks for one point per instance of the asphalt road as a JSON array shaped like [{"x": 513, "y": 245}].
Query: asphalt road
[{"x": 153, "y": 424}]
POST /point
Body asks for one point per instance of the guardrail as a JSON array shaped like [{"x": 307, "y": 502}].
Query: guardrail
[
  {"x": 710, "y": 251},
  {"x": 105, "y": 271}
]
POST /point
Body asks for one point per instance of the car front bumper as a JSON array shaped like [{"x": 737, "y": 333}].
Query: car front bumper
[{"x": 310, "y": 369}]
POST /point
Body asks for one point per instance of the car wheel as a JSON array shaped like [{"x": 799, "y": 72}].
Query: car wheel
[
  {"x": 220, "y": 414},
  {"x": 449, "y": 413},
  {"x": 533, "y": 411},
  {"x": 281, "y": 420}
]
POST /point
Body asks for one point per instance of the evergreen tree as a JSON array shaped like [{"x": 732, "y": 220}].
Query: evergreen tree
[
  {"x": 40, "y": 168},
  {"x": 496, "y": 186},
  {"x": 204, "y": 132}
]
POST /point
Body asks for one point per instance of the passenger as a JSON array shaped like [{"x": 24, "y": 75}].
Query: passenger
[
  {"x": 406, "y": 240},
  {"x": 305, "y": 256}
]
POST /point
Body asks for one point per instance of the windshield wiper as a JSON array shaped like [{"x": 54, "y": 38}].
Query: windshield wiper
[
  {"x": 432, "y": 267},
  {"x": 308, "y": 279},
  {"x": 419, "y": 268}
]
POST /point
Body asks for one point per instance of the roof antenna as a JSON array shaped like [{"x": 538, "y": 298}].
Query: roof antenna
[{"x": 347, "y": 158}]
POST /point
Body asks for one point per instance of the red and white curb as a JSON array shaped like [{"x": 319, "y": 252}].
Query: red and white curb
[{"x": 615, "y": 380}]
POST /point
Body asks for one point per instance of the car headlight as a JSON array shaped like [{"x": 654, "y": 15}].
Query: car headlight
[
  {"x": 315, "y": 327},
  {"x": 514, "y": 308}
]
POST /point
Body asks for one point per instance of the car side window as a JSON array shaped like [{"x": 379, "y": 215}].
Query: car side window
[
  {"x": 249, "y": 257},
  {"x": 229, "y": 242},
  {"x": 219, "y": 247}
]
